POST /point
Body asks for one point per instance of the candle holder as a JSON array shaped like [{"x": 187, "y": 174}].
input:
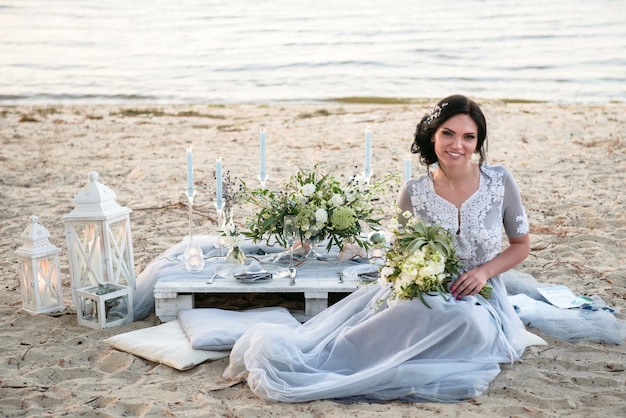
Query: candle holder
[
  {"x": 193, "y": 255},
  {"x": 222, "y": 220},
  {"x": 40, "y": 278},
  {"x": 367, "y": 174},
  {"x": 104, "y": 305},
  {"x": 263, "y": 180}
]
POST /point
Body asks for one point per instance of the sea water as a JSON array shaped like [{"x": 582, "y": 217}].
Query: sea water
[{"x": 256, "y": 51}]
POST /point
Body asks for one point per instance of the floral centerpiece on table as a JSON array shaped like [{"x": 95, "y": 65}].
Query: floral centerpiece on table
[
  {"x": 421, "y": 260},
  {"x": 325, "y": 208}
]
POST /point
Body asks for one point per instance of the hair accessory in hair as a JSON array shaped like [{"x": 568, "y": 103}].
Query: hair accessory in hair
[{"x": 436, "y": 112}]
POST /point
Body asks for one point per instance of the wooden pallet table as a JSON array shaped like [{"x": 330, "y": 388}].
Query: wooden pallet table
[
  {"x": 315, "y": 282},
  {"x": 174, "y": 287}
]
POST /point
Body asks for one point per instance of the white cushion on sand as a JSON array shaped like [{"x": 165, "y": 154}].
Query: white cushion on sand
[
  {"x": 219, "y": 329},
  {"x": 166, "y": 344}
]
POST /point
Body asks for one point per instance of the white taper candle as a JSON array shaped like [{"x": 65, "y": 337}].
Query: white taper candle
[
  {"x": 367, "y": 172},
  {"x": 407, "y": 168},
  {"x": 262, "y": 172}
]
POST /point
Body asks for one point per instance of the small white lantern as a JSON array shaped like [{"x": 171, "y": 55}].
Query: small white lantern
[
  {"x": 104, "y": 305},
  {"x": 40, "y": 279},
  {"x": 100, "y": 248}
]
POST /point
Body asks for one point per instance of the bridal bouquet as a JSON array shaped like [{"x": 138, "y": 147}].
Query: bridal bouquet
[
  {"x": 325, "y": 208},
  {"x": 421, "y": 261}
]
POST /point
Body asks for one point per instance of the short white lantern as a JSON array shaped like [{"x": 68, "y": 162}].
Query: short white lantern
[
  {"x": 40, "y": 279},
  {"x": 100, "y": 248},
  {"x": 104, "y": 305}
]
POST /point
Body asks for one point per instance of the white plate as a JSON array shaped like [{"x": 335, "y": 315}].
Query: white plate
[{"x": 353, "y": 272}]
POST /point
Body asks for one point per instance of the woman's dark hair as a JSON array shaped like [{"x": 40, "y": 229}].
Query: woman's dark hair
[{"x": 445, "y": 109}]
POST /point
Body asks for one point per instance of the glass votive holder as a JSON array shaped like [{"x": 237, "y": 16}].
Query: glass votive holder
[{"x": 194, "y": 259}]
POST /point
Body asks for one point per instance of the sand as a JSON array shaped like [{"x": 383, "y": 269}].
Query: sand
[{"x": 569, "y": 161}]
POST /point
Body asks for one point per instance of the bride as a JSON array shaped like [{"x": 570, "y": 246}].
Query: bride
[{"x": 446, "y": 352}]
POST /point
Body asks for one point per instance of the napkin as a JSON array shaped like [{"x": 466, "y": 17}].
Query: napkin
[
  {"x": 370, "y": 275},
  {"x": 253, "y": 277},
  {"x": 253, "y": 273}
]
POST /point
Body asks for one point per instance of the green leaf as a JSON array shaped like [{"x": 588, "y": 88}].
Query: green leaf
[{"x": 421, "y": 296}]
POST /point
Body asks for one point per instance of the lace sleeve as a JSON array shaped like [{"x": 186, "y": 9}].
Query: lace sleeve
[{"x": 514, "y": 216}]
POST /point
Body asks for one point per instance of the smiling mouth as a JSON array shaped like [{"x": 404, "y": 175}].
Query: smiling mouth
[{"x": 455, "y": 154}]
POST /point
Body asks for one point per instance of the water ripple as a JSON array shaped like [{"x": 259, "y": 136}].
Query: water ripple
[{"x": 250, "y": 51}]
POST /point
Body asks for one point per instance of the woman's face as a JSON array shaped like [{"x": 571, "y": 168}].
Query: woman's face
[{"x": 456, "y": 140}]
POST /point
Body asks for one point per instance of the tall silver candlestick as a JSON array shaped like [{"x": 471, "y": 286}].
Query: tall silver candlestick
[{"x": 193, "y": 255}]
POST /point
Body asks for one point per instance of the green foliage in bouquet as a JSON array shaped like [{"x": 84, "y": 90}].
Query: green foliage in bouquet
[
  {"x": 421, "y": 261},
  {"x": 325, "y": 208}
]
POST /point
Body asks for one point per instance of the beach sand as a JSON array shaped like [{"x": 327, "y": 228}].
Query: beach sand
[{"x": 569, "y": 162}]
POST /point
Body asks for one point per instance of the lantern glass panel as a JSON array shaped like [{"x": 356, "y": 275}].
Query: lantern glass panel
[
  {"x": 87, "y": 244},
  {"x": 47, "y": 281},
  {"x": 28, "y": 290},
  {"x": 121, "y": 251}
]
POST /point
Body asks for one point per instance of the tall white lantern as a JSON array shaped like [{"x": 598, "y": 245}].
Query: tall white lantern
[
  {"x": 40, "y": 279},
  {"x": 100, "y": 248}
]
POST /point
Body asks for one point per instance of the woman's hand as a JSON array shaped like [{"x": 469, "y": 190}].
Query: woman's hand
[
  {"x": 469, "y": 283},
  {"x": 472, "y": 281}
]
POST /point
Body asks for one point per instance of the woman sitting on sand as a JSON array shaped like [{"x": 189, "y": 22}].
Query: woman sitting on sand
[{"x": 406, "y": 350}]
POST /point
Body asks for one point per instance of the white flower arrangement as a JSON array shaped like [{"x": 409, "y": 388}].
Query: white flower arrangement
[
  {"x": 325, "y": 208},
  {"x": 232, "y": 239}
]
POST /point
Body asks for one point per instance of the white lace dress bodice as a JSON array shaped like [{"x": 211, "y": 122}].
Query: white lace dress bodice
[{"x": 477, "y": 224}]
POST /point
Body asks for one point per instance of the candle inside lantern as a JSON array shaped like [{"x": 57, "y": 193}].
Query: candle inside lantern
[
  {"x": 189, "y": 173},
  {"x": 407, "y": 168},
  {"x": 218, "y": 190},
  {"x": 368, "y": 153},
  {"x": 262, "y": 173},
  {"x": 41, "y": 281}
]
